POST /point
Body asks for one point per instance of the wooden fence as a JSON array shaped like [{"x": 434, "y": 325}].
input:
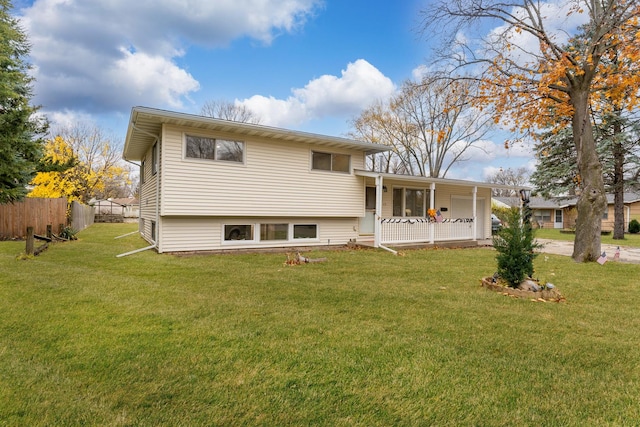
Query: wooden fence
[
  {"x": 82, "y": 216},
  {"x": 38, "y": 213}
]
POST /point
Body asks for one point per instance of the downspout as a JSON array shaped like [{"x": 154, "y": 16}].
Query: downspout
[
  {"x": 139, "y": 197},
  {"x": 432, "y": 204},
  {"x": 378, "y": 216},
  {"x": 157, "y": 141},
  {"x": 377, "y": 226},
  {"x": 139, "y": 222},
  {"x": 475, "y": 213}
]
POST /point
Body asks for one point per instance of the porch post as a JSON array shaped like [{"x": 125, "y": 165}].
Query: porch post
[
  {"x": 432, "y": 204},
  {"x": 378, "y": 216},
  {"x": 475, "y": 213}
]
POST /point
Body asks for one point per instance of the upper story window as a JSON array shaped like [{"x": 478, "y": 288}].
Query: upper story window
[
  {"x": 200, "y": 147},
  {"x": 154, "y": 159},
  {"x": 330, "y": 162}
]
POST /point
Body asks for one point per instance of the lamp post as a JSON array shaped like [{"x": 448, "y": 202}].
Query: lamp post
[{"x": 526, "y": 210}]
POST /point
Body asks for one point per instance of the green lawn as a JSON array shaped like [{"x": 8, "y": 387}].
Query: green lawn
[
  {"x": 365, "y": 339},
  {"x": 550, "y": 233}
]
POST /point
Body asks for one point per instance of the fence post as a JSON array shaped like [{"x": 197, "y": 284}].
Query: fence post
[{"x": 30, "y": 240}]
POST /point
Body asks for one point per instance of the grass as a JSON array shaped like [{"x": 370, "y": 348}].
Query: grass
[
  {"x": 365, "y": 339},
  {"x": 632, "y": 240}
]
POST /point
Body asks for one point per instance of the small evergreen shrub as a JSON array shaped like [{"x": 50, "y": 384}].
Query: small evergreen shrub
[
  {"x": 515, "y": 246},
  {"x": 634, "y": 226}
]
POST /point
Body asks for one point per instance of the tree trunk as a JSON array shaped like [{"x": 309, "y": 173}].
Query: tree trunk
[
  {"x": 618, "y": 180},
  {"x": 592, "y": 200}
]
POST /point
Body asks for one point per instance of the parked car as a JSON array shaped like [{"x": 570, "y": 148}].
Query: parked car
[{"x": 496, "y": 224}]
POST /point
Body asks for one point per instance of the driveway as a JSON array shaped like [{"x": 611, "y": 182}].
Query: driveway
[{"x": 559, "y": 247}]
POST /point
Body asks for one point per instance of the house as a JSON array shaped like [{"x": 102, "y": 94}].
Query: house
[
  {"x": 545, "y": 213},
  {"x": 560, "y": 212},
  {"x": 127, "y": 207},
  {"x": 209, "y": 185}
]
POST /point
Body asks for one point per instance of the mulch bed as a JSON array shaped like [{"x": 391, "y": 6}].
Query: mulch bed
[{"x": 545, "y": 295}]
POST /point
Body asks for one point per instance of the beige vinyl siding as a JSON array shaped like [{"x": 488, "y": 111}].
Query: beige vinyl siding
[
  {"x": 148, "y": 197},
  {"x": 206, "y": 234},
  {"x": 634, "y": 212},
  {"x": 275, "y": 180}
]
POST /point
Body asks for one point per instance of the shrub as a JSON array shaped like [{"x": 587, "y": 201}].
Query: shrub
[
  {"x": 68, "y": 233},
  {"x": 634, "y": 226},
  {"x": 515, "y": 246}
]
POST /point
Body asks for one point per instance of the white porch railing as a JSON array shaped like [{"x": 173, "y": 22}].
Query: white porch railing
[{"x": 422, "y": 230}]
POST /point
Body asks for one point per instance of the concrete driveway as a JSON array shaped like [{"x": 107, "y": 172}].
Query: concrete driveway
[{"x": 559, "y": 247}]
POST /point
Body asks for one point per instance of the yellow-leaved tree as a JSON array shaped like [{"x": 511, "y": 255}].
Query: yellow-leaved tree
[
  {"x": 56, "y": 184},
  {"x": 96, "y": 172}
]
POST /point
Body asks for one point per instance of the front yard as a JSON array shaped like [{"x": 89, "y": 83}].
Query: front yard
[{"x": 364, "y": 339}]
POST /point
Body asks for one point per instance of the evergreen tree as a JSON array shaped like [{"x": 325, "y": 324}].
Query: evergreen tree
[{"x": 20, "y": 131}]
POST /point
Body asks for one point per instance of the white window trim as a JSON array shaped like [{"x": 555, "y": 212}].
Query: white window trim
[
  {"x": 216, "y": 161},
  {"x": 155, "y": 158},
  {"x": 256, "y": 234},
  {"x": 425, "y": 203},
  {"x": 311, "y": 168}
]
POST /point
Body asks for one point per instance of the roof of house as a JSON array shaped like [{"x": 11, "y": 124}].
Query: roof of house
[
  {"x": 427, "y": 179},
  {"x": 125, "y": 201},
  {"x": 535, "y": 202},
  {"x": 561, "y": 202},
  {"x": 145, "y": 125}
]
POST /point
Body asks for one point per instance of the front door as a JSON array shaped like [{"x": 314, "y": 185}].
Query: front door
[
  {"x": 367, "y": 223},
  {"x": 462, "y": 207},
  {"x": 558, "y": 220}
]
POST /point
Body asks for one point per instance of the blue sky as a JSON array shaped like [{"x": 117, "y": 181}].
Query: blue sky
[{"x": 308, "y": 65}]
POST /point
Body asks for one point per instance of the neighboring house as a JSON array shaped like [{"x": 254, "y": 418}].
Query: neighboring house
[
  {"x": 209, "y": 184},
  {"x": 560, "y": 212},
  {"x": 546, "y": 213},
  {"x": 127, "y": 207},
  {"x": 131, "y": 206},
  {"x": 631, "y": 210}
]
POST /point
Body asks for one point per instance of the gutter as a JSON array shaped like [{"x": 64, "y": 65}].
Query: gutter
[
  {"x": 139, "y": 198},
  {"x": 157, "y": 141}
]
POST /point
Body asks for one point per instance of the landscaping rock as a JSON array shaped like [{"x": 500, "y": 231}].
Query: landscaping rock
[
  {"x": 529, "y": 285},
  {"x": 547, "y": 294}
]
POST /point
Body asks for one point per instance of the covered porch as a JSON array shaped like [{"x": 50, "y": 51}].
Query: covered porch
[{"x": 406, "y": 210}]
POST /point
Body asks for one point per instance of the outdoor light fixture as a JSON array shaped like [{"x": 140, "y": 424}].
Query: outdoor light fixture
[
  {"x": 384, "y": 188},
  {"x": 525, "y": 195}
]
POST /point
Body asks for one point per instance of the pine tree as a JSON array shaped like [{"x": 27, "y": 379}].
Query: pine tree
[{"x": 20, "y": 130}]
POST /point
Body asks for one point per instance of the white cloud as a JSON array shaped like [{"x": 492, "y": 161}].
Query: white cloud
[
  {"x": 356, "y": 89},
  {"x": 104, "y": 55}
]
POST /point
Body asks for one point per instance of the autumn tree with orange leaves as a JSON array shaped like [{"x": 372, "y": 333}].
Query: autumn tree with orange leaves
[{"x": 546, "y": 66}]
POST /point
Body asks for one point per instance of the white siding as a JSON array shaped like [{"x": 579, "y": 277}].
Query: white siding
[
  {"x": 275, "y": 180},
  {"x": 148, "y": 199},
  {"x": 202, "y": 234}
]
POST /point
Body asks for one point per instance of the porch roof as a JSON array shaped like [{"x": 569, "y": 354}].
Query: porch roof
[{"x": 428, "y": 180}]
